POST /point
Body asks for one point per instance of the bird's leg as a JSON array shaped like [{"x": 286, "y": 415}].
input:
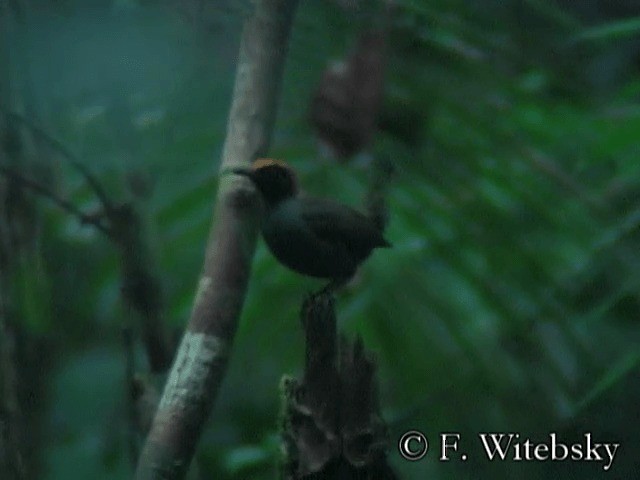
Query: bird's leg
[
  {"x": 328, "y": 289},
  {"x": 331, "y": 287}
]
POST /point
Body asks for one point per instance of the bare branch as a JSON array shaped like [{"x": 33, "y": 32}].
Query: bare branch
[
  {"x": 66, "y": 153},
  {"x": 48, "y": 193}
]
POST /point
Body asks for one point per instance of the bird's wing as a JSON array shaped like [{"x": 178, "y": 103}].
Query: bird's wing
[{"x": 334, "y": 222}]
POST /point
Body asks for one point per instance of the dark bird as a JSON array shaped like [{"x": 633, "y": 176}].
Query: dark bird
[{"x": 312, "y": 236}]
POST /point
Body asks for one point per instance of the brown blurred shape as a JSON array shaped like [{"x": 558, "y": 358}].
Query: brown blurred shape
[{"x": 345, "y": 106}]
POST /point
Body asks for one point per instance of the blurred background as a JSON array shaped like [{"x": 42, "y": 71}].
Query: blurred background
[{"x": 510, "y": 301}]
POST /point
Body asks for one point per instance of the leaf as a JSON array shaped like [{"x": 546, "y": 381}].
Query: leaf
[{"x": 611, "y": 31}]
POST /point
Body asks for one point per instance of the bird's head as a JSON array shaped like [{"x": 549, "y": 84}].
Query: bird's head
[{"x": 274, "y": 178}]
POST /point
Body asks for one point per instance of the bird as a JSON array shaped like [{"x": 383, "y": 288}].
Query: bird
[{"x": 316, "y": 237}]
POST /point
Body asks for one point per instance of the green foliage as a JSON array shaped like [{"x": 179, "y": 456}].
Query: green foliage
[
  {"x": 31, "y": 291},
  {"x": 612, "y": 31},
  {"x": 509, "y": 301}
]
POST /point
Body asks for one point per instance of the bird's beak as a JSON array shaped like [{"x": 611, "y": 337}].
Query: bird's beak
[{"x": 247, "y": 172}]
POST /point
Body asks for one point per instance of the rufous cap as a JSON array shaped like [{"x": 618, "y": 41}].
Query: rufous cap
[{"x": 267, "y": 162}]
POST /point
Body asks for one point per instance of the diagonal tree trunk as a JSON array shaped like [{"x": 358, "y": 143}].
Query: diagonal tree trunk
[{"x": 202, "y": 357}]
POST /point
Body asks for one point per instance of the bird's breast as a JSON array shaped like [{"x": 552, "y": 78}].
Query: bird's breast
[{"x": 293, "y": 242}]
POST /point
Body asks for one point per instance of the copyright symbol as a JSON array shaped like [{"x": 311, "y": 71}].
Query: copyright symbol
[{"x": 413, "y": 445}]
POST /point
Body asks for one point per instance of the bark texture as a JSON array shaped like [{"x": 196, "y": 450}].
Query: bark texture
[
  {"x": 202, "y": 356},
  {"x": 331, "y": 424}
]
